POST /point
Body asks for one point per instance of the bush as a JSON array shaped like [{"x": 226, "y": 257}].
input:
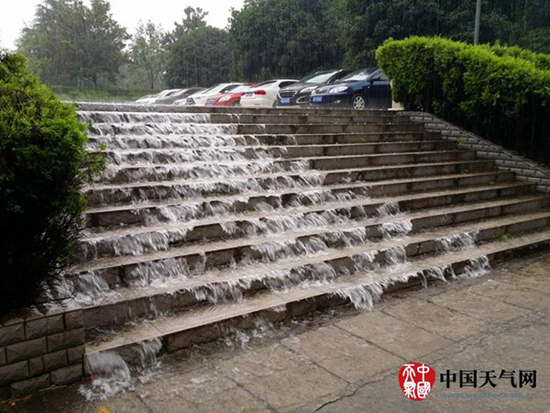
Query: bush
[
  {"x": 43, "y": 163},
  {"x": 500, "y": 93}
]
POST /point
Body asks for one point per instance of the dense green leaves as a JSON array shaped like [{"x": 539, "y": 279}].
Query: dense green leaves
[
  {"x": 43, "y": 163},
  {"x": 147, "y": 52},
  {"x": 70, "y": 43},
  {"x": 500, "y": 93}
]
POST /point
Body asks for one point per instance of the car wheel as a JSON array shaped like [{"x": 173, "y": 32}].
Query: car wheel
[{"x": 358, "y": 102}]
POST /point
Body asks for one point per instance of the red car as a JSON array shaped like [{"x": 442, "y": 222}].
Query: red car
[{"x": 232, "y": 98}]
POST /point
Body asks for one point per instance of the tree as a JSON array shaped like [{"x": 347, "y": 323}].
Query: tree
[
  {"x": 69, "y": 42},
  {"x": 199, "y": 58},
  {"x": 147, "y": 52},
  {"x": 283, "y": 38},
  {"x": 194, "y": 19}
]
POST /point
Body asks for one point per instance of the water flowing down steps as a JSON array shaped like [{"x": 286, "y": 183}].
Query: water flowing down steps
[{"x": 208, "y": 221}]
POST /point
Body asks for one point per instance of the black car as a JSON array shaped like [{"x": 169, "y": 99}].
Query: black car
[
  {"x": 298, "y": 93},
  {"x": 365, "y": 88}
]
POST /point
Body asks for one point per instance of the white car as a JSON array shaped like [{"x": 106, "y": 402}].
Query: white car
[
  {"x": 199, "y": 99},
  {"x": 152, "y": 98},
  {"x": 264, "y": 95}
]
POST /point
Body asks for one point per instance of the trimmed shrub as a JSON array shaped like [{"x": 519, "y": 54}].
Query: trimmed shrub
[
  {"x": 43, "y": 164},
  {"x": 499, "y": 93}
]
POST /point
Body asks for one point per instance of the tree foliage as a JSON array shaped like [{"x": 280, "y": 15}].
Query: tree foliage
[
  {"x": 199, "y": 58},
  {"x": 43, "y": 163},
  {"x": 283, "y": 38},
  {"x": 69, "y": 42},
  {"x": 148, "y": 53}
]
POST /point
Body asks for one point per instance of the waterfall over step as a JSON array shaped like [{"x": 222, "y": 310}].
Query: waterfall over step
[{"x": 209, "y": 221}]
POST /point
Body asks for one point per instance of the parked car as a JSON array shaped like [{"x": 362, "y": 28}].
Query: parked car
[
  {"x": 264, "y": 95},
  {"x": 365, "y": 88},
  {"x": 231, "y": 98},
  {"x": 180, "y": 94},
  {"x": 199, "y": 99},
  {"x": 299, "y": 93},
  {"x": 149, "y": 99}
]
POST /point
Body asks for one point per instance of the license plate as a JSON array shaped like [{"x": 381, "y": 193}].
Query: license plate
[
  {"x": 248, "y": 94},
  {"x": 317, "y": 99},
  {"x": 285, "y": 100}
]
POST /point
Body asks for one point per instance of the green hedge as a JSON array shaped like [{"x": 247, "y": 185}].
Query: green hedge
[
  {"x": 43, "y": 163},
  {"x": 500, "y": 93}
]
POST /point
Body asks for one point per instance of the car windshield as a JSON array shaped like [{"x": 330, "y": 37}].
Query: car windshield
[
  {"x": 204, "y": 92},
  {"x": 241, "y": 89},
  {"x": 317, "y": 78},
  {"x": 358, "y": 75}
]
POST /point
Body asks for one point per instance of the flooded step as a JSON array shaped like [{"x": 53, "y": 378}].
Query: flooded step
[
  {"x": 255, "y": 188},
  {"x": 245, "y": 118},
  {"x": 224, "y": 154},
  {"x": 333, "y": 224},
  {"x": 207, "y": 169},
  {"x": 133, "y": 107},
  {"x": 147, "y": 297},
  {"x": 211, "y": 322},
  {"x": 208, "y": 141},
  {"x": 168, "y": 129},
  {"x": 153, "y": 213},
  {"x": 116, "y": 256},
  {"x": 299, "y": 179}
]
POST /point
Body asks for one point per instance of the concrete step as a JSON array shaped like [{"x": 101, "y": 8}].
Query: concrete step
[
  {"x": 116, "y": 242},
  {"x": 230, "y": 129},
  {"x": 104, "y": 195},
  {"x": 208, "y": 169},
  {"x": 216, "y": 154},
  {"x": 208, "y": 250},
  {"x": 197, "y": 141},
  {"x": 133, "y": 107},
  {"x": 158, "y": 212},
  {"x": 211, "y": 322},
  {"x": 244, "y": 118}
]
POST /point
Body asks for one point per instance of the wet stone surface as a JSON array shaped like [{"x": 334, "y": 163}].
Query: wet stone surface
[{"x": 345, "y": 360}]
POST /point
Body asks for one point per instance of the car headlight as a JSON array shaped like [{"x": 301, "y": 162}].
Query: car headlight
[
  {"x": 338, "y": 89},
  {"x": 225, "y": 98},
  {"x": 308, "y": 89}
]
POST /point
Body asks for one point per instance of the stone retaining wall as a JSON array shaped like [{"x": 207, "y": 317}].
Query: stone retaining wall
[
  {"x": 524, "y": 169},
  {"x": 40, "y": 351}
]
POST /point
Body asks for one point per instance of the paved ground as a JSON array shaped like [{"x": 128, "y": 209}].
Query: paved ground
[{"x": 348, "y": 361}]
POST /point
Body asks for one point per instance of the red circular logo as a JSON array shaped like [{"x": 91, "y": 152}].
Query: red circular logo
[{"x": 416, "y": 380}]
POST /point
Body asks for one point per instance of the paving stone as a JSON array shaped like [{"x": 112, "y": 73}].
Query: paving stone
[
  {"x": 25, "y": 387},
  {"x": 56, "y": 324},
  {"x": 283, "y": 379},
  {"x": 75, "y": 354},
  {"x": 26, "y": 349},
  {"x": 55, "y": 360},
  {"x": 65, "y": 340},
  {"x": 36, "y": 328},
  {"x": 200, "y": 391},
  {"x": 512, "y": 294},
  {"x": 67, "y": 375},
  {"x": 394, "y": 335},
  {"x": 434, "y": 318},
  {"x": 14, "y": 372},
  {"x": 344, "y": 355},
  {"x": 73, "y": 320},
  {"x": 36, "y": 366},
  {"x": 477, "y": 306},
  {"x": 12, "y": 334}
]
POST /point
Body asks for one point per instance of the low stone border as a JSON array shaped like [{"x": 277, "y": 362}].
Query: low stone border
[
  {"x": 525, "y": 170},
  {"x": 40, "y": 351}
]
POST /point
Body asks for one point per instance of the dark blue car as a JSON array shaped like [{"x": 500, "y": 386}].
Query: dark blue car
[{"x": 365, "y": 88}]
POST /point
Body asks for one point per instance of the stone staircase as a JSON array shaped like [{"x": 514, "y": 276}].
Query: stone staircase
[{"x": 208, "y": 221}]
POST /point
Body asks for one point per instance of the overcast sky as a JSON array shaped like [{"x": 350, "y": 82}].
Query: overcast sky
[{"x": 14, "y": 16}]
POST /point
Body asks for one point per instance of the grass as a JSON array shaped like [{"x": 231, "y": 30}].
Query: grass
[{"x": 70, "y": 93}]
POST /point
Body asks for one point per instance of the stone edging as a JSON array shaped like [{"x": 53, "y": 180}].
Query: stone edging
[
  {"x": 40, "y": 351},
  {"x": 524, "y": 169}
]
